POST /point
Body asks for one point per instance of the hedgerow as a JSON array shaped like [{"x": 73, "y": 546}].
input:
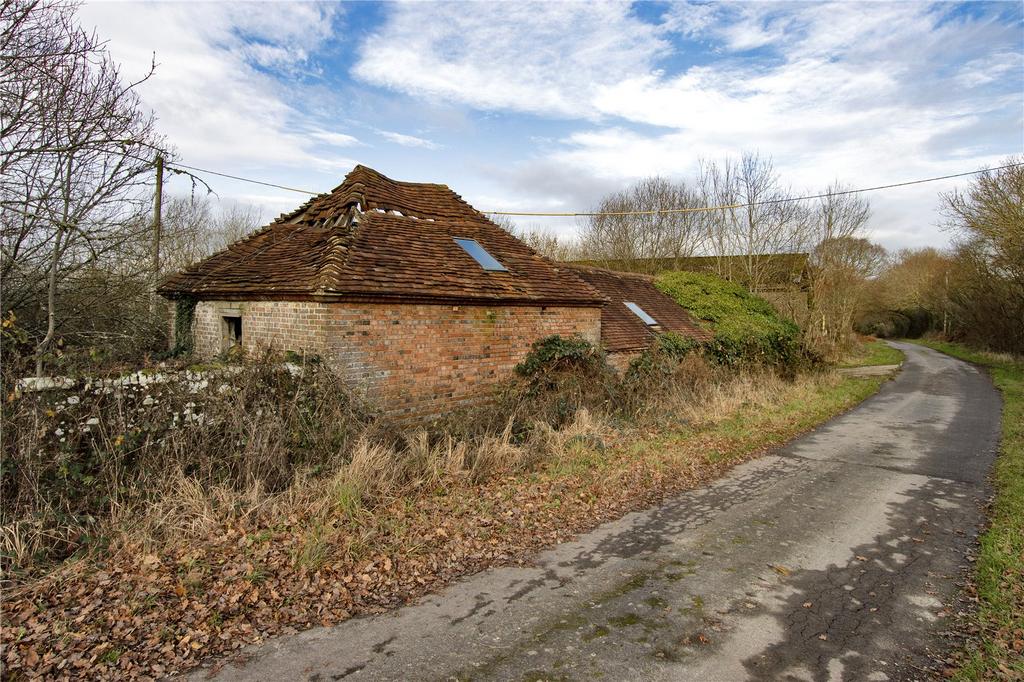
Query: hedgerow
[
  {"x": 73, "y": 459},
  {"x": 747, "y": 328}
]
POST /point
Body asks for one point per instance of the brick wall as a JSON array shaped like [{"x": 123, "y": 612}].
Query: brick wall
[
  {"x": 281, "y": 325},
  {"x": 413, "y": 360},
  {"x": 419, "y": 360}
]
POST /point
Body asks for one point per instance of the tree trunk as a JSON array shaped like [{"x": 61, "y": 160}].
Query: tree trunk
[
  {"x": 51, "y": 302},
  {"x": 51, "y": 278},
  {"x": 158, "y": 199}
]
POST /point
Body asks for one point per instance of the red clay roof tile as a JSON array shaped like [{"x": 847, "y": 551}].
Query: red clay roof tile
[{"x": 315, "y": 251}]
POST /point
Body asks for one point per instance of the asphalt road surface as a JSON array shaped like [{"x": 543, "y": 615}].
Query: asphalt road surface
[{"x": 830, "y": 558}]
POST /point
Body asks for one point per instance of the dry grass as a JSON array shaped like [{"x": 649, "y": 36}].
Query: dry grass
[
  {"x": 171, "y": 463},
  {"x": 380, "y": 470},
  {"x": 223, "y": 564},
  {"x": 84, "y": 469}
]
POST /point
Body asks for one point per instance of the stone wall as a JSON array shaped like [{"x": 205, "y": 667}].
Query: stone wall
[{"x": 413, "y": 360}]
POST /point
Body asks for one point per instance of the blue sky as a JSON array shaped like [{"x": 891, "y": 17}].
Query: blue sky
[{"x": 548, "y": 106}]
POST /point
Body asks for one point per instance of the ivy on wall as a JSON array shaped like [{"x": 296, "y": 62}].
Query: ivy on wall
[{"x": 184, "y": 317}]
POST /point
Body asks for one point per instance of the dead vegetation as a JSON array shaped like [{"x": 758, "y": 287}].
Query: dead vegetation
[
  {"x": 85, "y": 466},
  {"x": 190, "y": 519}
]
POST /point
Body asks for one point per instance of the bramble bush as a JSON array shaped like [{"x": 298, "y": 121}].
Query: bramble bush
[
  {"x": 558, "y": 353},
  {"x": 559, "y": 376},
  {"x": 662, "y": 359}
]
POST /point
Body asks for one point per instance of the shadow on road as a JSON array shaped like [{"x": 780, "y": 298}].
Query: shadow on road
[{"x": 836, "y": 615}]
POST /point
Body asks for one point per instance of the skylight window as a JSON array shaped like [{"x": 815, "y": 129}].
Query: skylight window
[
  {"x": 480, "y": 255},
  {"x": 641, "y": 313}
]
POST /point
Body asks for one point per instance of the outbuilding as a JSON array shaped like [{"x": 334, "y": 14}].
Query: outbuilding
[{"x": 415, "y": 296}]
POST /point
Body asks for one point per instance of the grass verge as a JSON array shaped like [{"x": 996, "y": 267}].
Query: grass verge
[
  {"x": 998, "y": 650},
  {"x": 873, "y": 353},
  {"x": 319, "y": 554}
]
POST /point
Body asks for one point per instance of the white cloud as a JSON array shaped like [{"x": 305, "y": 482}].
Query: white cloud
[
  {"x": 990, "y": 69},
  {"x": 408, "y": 140},
  {"x": 335, "y": 139},
  {"x": 213, "y": 103},
  {"x": 858, "y": 92},
  {"x": 544, "y": 58},
  {"x": 863, "y": 93}
]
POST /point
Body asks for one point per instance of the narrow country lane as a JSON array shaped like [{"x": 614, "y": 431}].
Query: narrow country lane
[{"x": 827, "y": 559}]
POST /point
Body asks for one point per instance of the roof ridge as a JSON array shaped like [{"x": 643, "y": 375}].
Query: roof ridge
[
  {"x": 360, "y": 169},
  {"x": 609, "y": 271}
]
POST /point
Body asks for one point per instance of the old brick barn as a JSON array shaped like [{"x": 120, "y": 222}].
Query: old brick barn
[{"x": 415, "y": 296}]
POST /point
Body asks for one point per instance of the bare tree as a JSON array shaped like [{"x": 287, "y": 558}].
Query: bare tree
[
  {"x": 33, "y": 42},
  {"x": 76, "y": 151},
  {"x": 505, "y": 222},
  {"x": 549, "y": 244},
  {"x": 543, "y": 241},
  {"x": 195, "y": 228},
  {"x": 638, "y": 225},
  {"x": 914, "y": 279},
  {"x": 843, "y": 264},
  {"x": 843, "y": 271},
  {"x": 992, "y": 212},
  {"x": 760, "y": 224},
  {"x": 987, "y": 296}
]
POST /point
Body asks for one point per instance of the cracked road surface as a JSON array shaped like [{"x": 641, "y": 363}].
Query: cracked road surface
[{"x": 829, "y": 558}]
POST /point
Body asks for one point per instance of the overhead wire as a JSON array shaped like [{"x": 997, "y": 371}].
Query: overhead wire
[
  {"x": 238, "y": 177},
  {"x": 766, "y": 202},
  {"x": 595, "y": 213},
  {"x": 658, "y": 211}
]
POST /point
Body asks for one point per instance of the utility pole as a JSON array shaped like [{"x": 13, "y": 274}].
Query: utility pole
[{"x": 158, "y": 199}]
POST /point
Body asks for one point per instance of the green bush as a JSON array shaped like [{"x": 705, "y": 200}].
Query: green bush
[
  {"x": 747, "y": 328},
  {"x": 559, "y": 376},
  {"x": 555, "y": 353},
  {"x": 662, "y": 358}
]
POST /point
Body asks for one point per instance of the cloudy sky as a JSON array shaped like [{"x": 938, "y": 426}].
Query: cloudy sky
[{"x": 545, "y": 107}]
